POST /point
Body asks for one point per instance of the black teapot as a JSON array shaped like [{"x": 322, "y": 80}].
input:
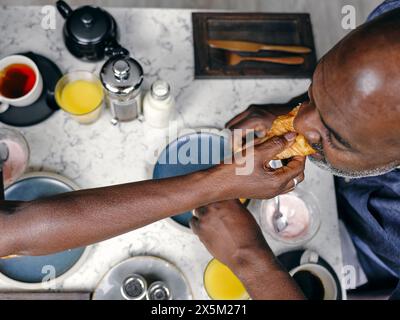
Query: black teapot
[{"x": 90, "y": 33}]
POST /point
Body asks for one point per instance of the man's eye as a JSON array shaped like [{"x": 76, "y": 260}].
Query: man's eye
[
  {"x": 329, "y": 139},
  {"x": 333, "y": 142}
]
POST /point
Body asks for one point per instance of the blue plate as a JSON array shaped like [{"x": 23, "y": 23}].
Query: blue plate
[
  {"x": 187, "y": 154},
  {"x": 33, "y": 269}
]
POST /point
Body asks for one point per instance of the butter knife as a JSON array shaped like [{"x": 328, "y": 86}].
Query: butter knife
[{"x": 246, "y": 46}]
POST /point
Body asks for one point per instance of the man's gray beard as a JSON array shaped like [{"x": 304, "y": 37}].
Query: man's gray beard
[{"x": 325, "y": 165}]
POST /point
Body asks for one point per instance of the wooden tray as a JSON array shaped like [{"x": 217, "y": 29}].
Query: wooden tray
[{"x": 268, "y": 28}]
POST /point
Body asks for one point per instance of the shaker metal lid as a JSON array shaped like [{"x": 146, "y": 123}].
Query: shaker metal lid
[
  {"x": 151, "y": 269},
  {"x": 121, "y": 75},
  {"x": 160, "y": 90},
  {"x": 90, "y": 25}
]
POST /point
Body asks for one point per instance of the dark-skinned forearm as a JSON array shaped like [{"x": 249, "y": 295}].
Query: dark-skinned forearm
[
  {"x": 87, "y": 216},
  {"x": 263, "y": 276}
]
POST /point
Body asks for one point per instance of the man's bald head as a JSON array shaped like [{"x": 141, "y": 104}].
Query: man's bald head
[{"x": 353, "y": 117}]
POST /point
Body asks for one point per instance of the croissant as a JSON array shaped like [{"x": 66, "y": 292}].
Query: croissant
[{"x": 284, "y": 124}]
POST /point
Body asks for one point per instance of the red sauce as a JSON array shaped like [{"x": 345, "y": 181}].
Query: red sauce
[{"x": 16, "y": 80}]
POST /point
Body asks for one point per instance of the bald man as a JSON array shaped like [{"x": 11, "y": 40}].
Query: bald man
[{"x": 351, "y": 116}]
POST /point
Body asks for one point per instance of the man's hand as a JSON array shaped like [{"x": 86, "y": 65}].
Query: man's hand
[
  {"x": 258, "y": 118},
  {"x": 259, "y": 180},
  {"x": 231, "y": 234}
]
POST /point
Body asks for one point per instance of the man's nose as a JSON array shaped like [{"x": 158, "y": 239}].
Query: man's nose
[{"x": 308, "y": 123}]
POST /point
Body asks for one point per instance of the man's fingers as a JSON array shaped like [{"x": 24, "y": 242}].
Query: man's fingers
[
  {"x": 255, "y": 124},
  {"x": 252, "y": 143},
  {"x": 287, "y": 191},
  {"x": 237, "y": 119},
  {"x": 276, "y": 145},
  {"x": 296, "y": 161},
  {"x": 291, "y": 185},
  {"x": 249, "y": 134},
  {"x": 294, "y": 168}
]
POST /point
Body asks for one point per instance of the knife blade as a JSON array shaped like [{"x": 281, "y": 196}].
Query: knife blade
[{"x": 247, "y": 46}]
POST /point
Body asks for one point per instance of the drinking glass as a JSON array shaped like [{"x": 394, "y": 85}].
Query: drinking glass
[{"x": 95, "y": 110}]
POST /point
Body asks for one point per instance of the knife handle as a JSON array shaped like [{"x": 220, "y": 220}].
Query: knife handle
[
  {"x": 292, "y": 49},
  {"x": 281, "y": 60}
]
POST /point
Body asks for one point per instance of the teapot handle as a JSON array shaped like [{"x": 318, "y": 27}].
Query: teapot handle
[
  {"x": 113, "y": 48},
  {"x": 64, "y": 9}
]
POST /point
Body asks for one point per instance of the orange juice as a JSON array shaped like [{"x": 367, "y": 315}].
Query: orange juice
[
  {"x": 222, "y": 284},
  {"x": 80, "y": 94}
]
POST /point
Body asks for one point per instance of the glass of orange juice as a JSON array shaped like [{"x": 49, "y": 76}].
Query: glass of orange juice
[
  {"x": 80, "y": 94},
  {"x": 222, "y": 284}
]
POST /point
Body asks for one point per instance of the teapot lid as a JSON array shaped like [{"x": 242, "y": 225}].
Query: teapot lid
[
  {"x": 121, "y": 75},
  {"x": 90, "y": 25}
]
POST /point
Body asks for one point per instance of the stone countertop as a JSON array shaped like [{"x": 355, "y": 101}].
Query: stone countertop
[{"x": 101, "y": 154}]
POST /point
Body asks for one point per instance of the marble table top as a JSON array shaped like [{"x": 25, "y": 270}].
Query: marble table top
[{"x": 102, "y": 154}]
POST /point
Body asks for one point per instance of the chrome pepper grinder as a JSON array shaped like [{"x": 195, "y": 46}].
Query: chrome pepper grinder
[{"x": 122, "y": 79}]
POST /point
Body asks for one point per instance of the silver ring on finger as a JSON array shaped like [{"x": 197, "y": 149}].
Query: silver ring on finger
[{"x": 296, "y": 182}]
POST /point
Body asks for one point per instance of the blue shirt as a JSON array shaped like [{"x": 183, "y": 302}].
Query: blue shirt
[
  {"x": 384, "y": 7},
  {"x": 371, "y": 206}
]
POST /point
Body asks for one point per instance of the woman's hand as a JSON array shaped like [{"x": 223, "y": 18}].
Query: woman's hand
[
  {"x": 229, "y": 232},
  {"x": 251, "y": 177}
]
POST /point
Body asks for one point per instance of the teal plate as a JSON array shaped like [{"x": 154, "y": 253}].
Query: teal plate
[
  {"x": 33, "y": 269},
  {"x": 187, "y": 154}
]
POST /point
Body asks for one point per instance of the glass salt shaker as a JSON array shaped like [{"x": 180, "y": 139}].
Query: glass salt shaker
[{"x": 159, "y": 105}]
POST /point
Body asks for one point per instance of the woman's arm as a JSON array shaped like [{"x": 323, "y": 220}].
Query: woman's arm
[
  {"x": 87, "y": 216},
  {"x": 84, "y": 217}
]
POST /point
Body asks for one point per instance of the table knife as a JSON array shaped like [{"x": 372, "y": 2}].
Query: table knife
[{"x": 246, "y": 46}]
